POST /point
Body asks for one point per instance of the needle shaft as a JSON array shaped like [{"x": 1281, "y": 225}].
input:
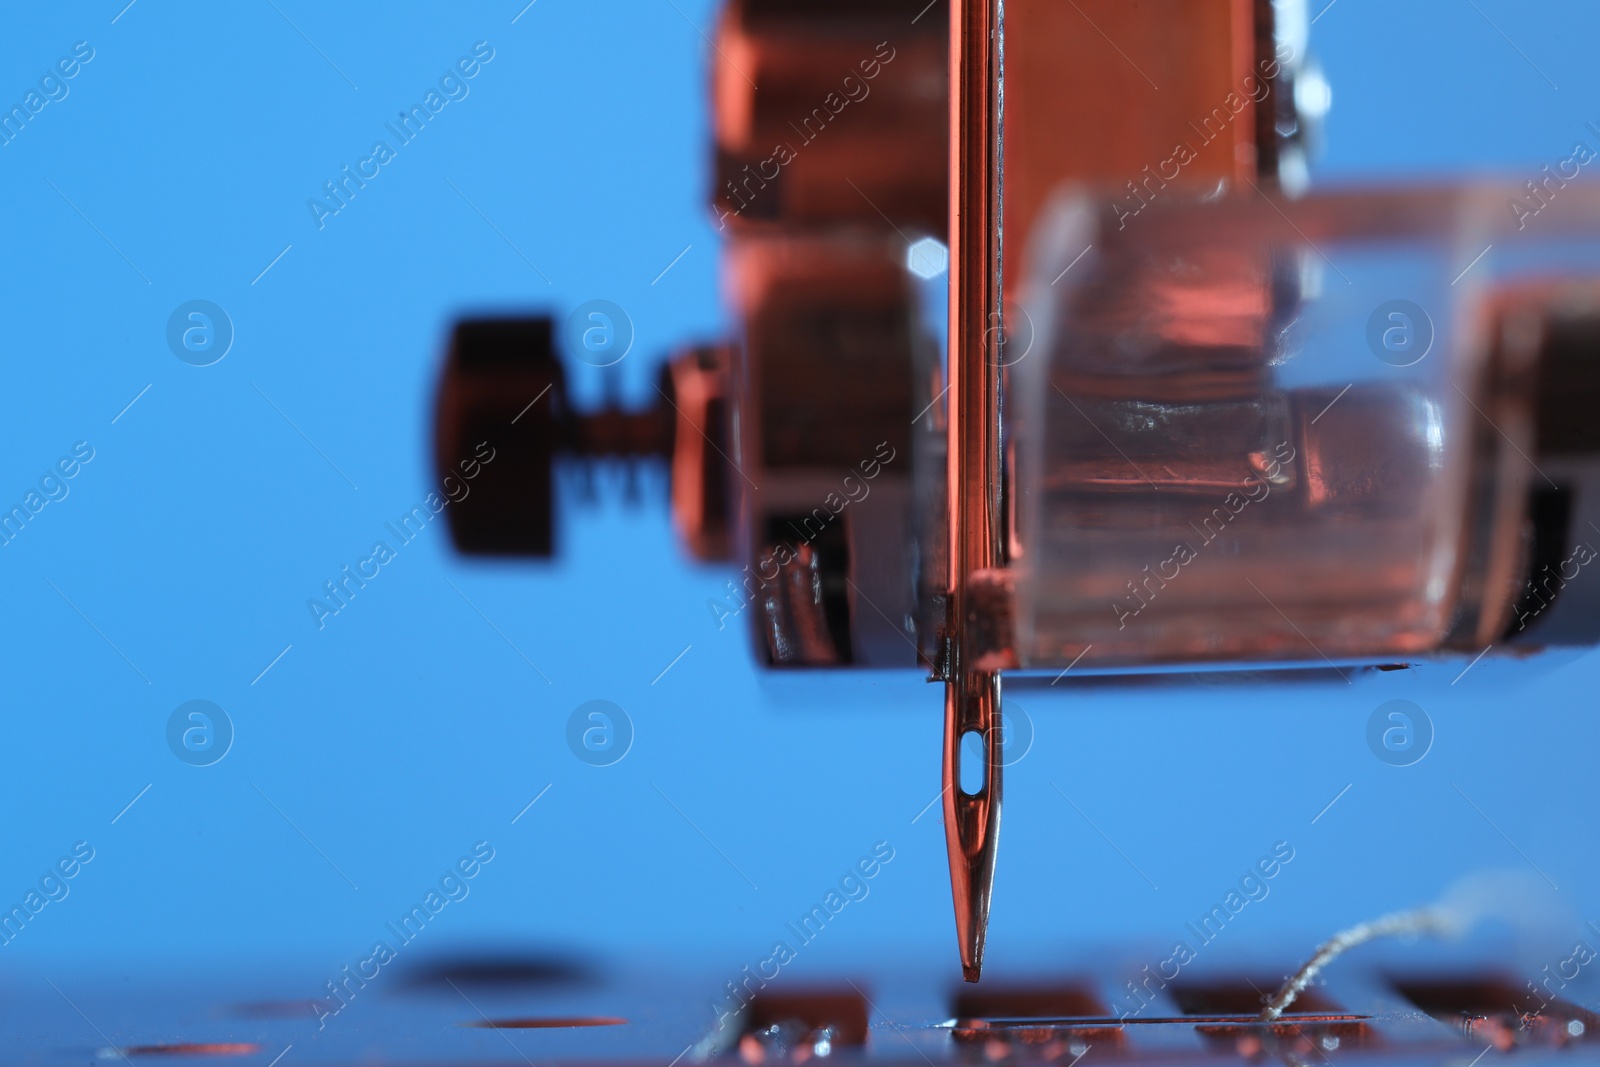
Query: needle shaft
[{"x": 972, "y": 696}]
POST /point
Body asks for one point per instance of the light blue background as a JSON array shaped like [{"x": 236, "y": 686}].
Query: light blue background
[{"x": 410, "y": 728}]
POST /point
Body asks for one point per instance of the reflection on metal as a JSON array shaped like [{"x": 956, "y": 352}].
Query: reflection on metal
[
  {"x": 975, "y": 538},
  {"x": 1442, "y": 1009}
]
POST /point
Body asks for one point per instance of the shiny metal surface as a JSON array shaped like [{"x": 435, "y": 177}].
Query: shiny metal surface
[
  {"x": 1222, "y": 462},
  {"x": 1415, "y": 1004},
  {"x": 972, "y": 696}
]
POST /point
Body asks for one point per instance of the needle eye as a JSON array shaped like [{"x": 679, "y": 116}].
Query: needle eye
[{"x": 974, "y": 768}]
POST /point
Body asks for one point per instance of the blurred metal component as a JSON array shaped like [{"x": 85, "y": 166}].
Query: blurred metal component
[
  {"x": 703, "y": 492},
  {"x": 504, "y": 388},
  {"x": 1290, "y": 127},
  {"x": 502, "y": 385},
  {"x": 1160, "y": 100},
  {"x": 849, "y": 124},
  {"x": 824, "y": 409},
  {"x": 1440, "y": 1008},
  {"x": 794, "y": 613},
  {"x": 800, "y": 1024},
  {"x": 1554, "y": 328},
  {"x": 1178, "y": 503}
]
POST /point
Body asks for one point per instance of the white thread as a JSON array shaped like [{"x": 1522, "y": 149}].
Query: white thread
[
  {"x": 1430, "y": 920},
  {"x": 1512, "y": 895}
]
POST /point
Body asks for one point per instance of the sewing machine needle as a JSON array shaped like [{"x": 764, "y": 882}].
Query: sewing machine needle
[
  {"x": 975, "y": 539},
  {"x": 972, "y": 822}
]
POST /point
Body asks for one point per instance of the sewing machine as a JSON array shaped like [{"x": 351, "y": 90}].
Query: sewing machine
[
  {"x": 1170, "y": 412},
  {"x": 1048, "y": 363}
]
